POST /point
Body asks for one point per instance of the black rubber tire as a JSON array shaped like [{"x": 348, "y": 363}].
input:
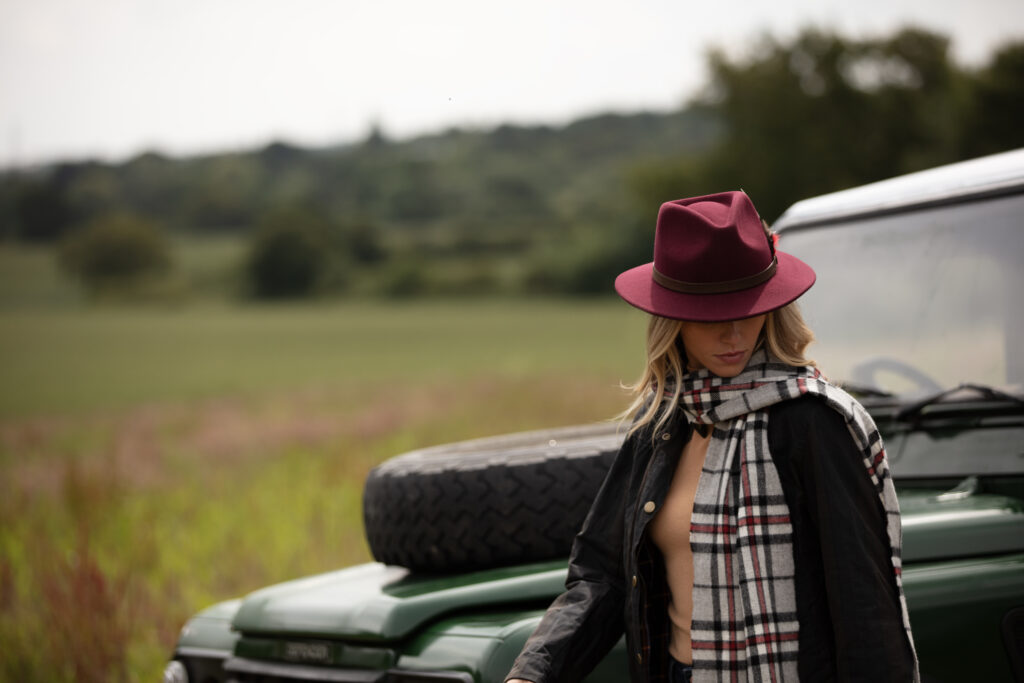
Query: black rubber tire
[{"x": 488, "y": 502}]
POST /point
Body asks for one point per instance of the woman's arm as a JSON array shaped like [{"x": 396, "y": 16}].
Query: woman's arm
[{"x": 585, "y": 621}]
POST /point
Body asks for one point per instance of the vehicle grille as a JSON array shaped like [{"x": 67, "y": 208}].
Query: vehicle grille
[{"x": 253, "y": 671}]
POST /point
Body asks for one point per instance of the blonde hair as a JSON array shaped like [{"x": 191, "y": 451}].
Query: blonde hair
[{"x": 785, "y": 334}]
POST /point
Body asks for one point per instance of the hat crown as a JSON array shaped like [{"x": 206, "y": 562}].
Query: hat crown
[
  {"x": 713, "y": 261},
  {"x": 711, "y": 239}
]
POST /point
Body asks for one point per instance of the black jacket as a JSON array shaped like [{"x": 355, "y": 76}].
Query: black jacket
[{"x": 847, "y": 601}]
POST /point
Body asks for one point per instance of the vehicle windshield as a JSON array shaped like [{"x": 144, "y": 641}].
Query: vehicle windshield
[{"x": 917, "y": 302}]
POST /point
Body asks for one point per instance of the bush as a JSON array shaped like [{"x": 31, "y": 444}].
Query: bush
[
  {"x": 115, "y": 251},
  {"x": 290, "y": 255},
  {"x": 404, "y": 279}
]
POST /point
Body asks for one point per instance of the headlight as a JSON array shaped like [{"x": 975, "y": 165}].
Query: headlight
[{"x": 175, "y": 672}]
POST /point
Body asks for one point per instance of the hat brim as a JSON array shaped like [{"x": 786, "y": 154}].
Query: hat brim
[{"x": 792, "y": 278}]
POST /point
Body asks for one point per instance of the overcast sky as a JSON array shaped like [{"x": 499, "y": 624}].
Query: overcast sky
[{"x": 111, "y": 78}]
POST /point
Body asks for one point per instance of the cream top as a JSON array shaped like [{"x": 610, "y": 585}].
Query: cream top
[{"x": 670, "y": 531}]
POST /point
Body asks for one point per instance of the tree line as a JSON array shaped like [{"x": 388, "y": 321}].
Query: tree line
[{"x": 532, "y": 208}]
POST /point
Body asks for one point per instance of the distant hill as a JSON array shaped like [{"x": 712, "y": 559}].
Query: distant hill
[
  {"x": 457, "y": 189},
  {"x": 507, "y": 209}
]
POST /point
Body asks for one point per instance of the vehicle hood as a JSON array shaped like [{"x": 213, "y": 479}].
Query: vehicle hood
[
  {"x": 374, "y": 602},
  {"x": 378, "y": 603},
  {"x": 960, "y": 523}
]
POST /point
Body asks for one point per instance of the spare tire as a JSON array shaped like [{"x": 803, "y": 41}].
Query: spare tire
[{"x": 487, "y": 502}]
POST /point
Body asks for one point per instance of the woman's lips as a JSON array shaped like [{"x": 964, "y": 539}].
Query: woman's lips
[{"x": 732, "y": 357}]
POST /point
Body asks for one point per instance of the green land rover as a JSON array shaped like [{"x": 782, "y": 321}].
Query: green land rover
[{"x": 471, "y": 538}]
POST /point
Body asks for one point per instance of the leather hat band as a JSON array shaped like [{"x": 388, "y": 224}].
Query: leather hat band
[{"x": 715, "y": 287}]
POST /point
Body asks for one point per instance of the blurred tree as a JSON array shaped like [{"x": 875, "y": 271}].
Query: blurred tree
[
  {"x": 359, "y": 241},
  {"x": 822, "y": 113},
  {"x": 651, "y": 183},
  {"x": 376, "y": 138},
  {"x": 403, "y": 279},
  {"x": 94, "y": 189},
  {"x": 917, "y": 98},
  {"x": 589, "y": 260},
  {"x": 513, "y": 198},
  {"x": 225, "y": 192},
  {"x": 114, "y": 251},
  {"x": 41, "y": 209},
  {"x": 416, "y": 196},
  {"x": 152, "y": 185},
  {"x": 289, "y": 255},
  {"x": 279, "y": 155},
  {"x": 9, "y": 199},
  {"x": 997, "y": 103}
]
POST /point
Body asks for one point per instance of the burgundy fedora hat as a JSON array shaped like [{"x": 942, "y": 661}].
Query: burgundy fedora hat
[{"x": 713, "y": 261}]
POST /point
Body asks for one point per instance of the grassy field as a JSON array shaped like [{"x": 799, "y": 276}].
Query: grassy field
[
  {"x": 155, "y": 460},
  {"x": 83, "y": 359}
]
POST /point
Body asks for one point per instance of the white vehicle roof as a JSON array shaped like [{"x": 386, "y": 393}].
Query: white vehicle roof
[{"x": 991, "y": 175}]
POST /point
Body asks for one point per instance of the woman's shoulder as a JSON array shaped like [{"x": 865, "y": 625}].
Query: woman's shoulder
[
  {"x": 806, "y": 432},
  {"x": 818, "y": 396},
  {"x": 804, "y": 413}
]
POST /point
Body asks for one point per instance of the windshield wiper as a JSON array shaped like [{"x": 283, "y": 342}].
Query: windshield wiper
[{"x": 914, "y": 409}]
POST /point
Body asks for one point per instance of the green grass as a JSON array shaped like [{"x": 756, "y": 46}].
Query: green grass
[
  {"x": 205, "y": 268},
  {"x": 155, "y": 460},
  {"x": 211, "y": 266},
  {"x": 29, "y": 279},
  {"x": 72, "y": 360}
]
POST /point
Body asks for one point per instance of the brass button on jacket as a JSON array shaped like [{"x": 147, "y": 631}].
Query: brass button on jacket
[{"x": 649, "y": 506}]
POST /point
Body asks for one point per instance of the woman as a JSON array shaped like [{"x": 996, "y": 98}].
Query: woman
[{"x": 748, "y": 529}]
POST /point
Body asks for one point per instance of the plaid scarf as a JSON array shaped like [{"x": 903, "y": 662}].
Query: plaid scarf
[{"x": 745, "y": 625}]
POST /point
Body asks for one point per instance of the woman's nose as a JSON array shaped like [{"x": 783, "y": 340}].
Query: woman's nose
[{"x": 731, "y": 330}]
